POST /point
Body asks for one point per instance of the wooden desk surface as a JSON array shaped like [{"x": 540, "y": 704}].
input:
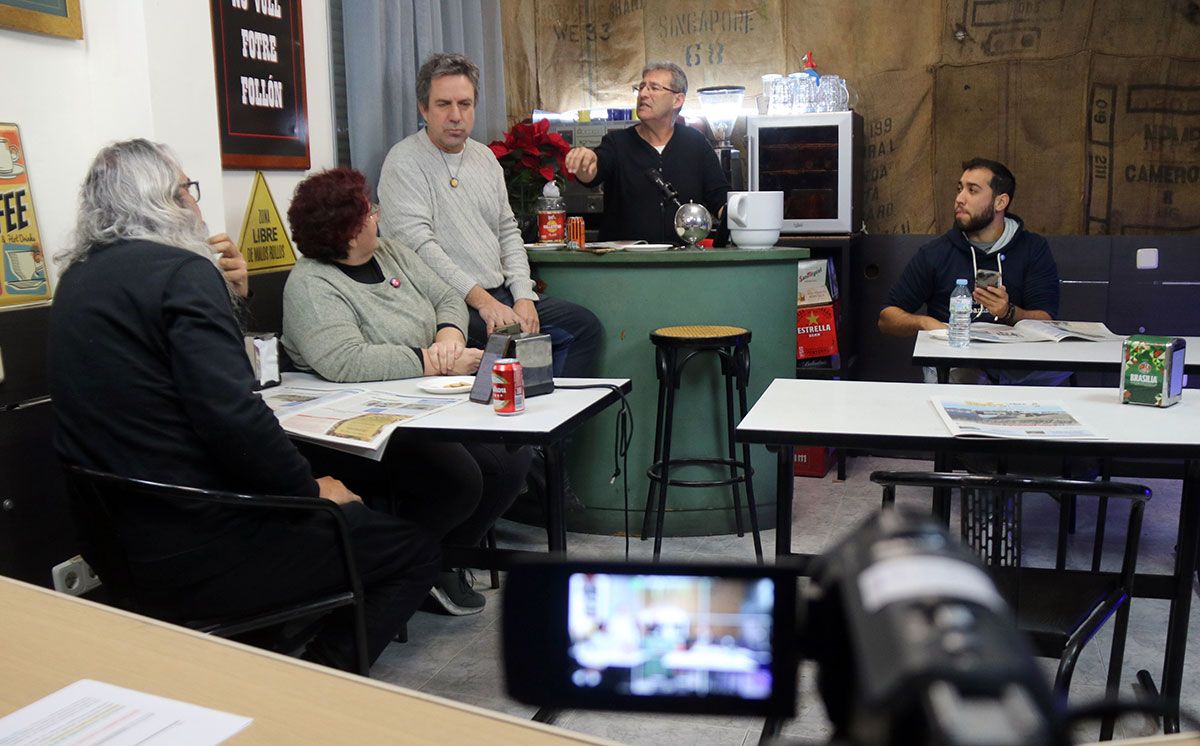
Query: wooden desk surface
[{"x": 51, "y": 640}]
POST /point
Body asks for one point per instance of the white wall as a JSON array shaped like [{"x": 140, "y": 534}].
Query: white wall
[{"x": 143, "y": 69}]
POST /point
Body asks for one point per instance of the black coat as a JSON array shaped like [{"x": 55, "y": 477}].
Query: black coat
[{"x": 150, "y": 379}]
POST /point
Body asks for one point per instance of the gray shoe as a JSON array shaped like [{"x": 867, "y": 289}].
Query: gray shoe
[{"x": 453, "y": 591}]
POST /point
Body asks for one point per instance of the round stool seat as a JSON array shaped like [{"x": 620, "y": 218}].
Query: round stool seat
[{"x": 704, "y": 334}]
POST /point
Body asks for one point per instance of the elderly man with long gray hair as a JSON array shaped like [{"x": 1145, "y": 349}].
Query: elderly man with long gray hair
[{"x": 150, "y": 380}]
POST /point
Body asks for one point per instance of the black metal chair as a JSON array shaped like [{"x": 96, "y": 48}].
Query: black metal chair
[
  {"x": 93, "y": 495},
  {"x": 1060, "y": 609},
  {"x": 675, "y": 347}
]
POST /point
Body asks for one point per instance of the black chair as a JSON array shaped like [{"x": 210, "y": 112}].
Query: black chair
[
  {"x": 675, "y": 347},
  {"x": 1060, "y": 609},
  {"x": 94, "y": 495}
]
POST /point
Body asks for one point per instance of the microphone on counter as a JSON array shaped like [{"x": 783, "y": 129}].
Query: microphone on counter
[{"x": 663, "y": 185}]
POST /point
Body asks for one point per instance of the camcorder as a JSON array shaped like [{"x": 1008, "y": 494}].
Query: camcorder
[{"x": 911, "y": 640}]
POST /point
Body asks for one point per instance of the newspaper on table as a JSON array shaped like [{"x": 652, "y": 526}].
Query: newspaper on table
[
  {"x": 1008, "y": 419},
  {"x": 1036, "y": 330},
  {"x": 359, "y": 418}
]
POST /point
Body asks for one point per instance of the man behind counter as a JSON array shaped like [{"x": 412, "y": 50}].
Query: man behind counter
[{"x": 634, "y": 208}]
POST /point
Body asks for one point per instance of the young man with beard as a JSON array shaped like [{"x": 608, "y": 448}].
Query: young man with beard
[{"x": 985, "y": 237}]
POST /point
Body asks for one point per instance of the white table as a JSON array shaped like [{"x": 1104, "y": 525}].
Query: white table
[
  {"x": 1070, "y": 355},
  {"x": 900, "y": 416},
  {"x": 546, "y": 422}
]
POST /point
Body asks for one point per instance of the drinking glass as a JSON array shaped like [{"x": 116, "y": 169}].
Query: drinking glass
[{"x": 804, "y": 93}]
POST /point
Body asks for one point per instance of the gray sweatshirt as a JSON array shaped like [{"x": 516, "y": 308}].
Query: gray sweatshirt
[
  {"x": 467, "y": 233},
  {"x": 345, "y": 330}
]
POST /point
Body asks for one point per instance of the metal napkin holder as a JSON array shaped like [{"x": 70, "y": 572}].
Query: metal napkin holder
[
  {"x": 262, "y": 348},
  {"x": 533, "y": 351}
]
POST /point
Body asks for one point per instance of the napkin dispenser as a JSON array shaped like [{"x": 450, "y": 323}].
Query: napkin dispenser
[
  {"x": 533, "y": 351},
  {"x": 263, "y": 350},
  {"x": 536, "y": 356}
]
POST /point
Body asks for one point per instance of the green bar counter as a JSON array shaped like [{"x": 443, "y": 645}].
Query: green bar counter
[{"x": 634, "y": 293}]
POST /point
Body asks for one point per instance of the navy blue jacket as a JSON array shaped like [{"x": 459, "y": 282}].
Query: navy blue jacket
[{"x": 1030, "y": 274}]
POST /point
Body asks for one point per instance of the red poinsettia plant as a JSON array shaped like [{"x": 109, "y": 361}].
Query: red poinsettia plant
[{"x": 530, "y": 155}]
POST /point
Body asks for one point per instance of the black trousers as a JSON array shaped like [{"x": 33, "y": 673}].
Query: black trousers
[
  {"x": 455, "y": 491},
  {"x": 287, "y": 562}
]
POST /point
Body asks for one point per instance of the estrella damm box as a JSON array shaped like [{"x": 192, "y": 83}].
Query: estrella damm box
[{"x": 1152, "y": 370}]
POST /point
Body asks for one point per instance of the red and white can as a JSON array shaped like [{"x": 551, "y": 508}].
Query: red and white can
[{"x": 508, "y": 386}]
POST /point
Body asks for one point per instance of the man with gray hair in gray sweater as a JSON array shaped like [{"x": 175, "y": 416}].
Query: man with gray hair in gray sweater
[{"x": 443, "y": 194}]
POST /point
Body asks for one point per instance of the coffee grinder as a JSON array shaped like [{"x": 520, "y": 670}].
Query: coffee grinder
[{"x": 721, "y": 105}]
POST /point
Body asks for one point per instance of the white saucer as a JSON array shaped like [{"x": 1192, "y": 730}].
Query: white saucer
[
  {"x": 17, "y": 171},
  {"x": 27, "y": 284},
  {"x": 544, "y": 246},
  {"x": 447, "y": 385},
  {"x": 648, "y": 247}
]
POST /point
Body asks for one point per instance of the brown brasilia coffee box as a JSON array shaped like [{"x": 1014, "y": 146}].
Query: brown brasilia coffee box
[{"x": 1152, "y": 370}]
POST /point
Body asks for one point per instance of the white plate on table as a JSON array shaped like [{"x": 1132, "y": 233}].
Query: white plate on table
[
  {"x": 447, "y": 385},
  {"x": 544, "y": 246},
  {"x": 647, "y": 247}
]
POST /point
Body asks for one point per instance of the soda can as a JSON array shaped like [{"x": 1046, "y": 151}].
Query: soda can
[
  {"x": 508, "y": 386},
  {"x": 577, "y": 231}
]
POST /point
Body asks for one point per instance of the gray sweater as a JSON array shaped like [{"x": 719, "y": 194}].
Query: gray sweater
[
  {"x": 345, "y": 330},
  {"x": 467, "y": 233}
]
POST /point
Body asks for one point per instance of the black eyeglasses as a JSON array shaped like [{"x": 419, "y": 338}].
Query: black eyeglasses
[
  {"x": 193, "y": 188},
  {"x": 654, "y": 88}
]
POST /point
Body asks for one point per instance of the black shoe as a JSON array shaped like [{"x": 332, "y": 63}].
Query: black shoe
[{"x": 453, "y": 591}]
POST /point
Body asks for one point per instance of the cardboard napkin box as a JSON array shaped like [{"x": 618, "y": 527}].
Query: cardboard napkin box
[{"x": 1152, "y": 370}]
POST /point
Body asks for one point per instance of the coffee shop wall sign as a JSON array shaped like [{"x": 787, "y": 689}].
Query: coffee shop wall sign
[
  {"x": 258, "y": 50},
  {"x": 53, "y": 17},
  {"x": 23, "y": 276}
]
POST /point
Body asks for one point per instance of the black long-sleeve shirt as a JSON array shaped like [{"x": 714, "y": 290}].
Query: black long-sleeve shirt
[
  {"x": 149, "y": 379},
  {"x": 634, "y": 208}
]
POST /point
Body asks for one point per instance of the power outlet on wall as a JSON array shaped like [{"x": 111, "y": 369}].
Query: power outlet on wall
[{"x": 74, "y": 576}]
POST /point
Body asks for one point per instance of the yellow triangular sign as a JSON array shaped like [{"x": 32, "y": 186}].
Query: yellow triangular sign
[{"x": 264, "y": 243}]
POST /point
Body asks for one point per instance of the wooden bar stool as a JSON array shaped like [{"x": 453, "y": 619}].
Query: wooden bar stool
[{"x": 674, "y": 347}]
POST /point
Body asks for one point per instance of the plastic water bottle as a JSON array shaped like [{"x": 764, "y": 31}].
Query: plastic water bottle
[{"x": 960, "y": 315}]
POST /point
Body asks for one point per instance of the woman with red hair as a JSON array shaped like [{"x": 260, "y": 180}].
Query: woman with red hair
[{"x": 359, "y": 308}]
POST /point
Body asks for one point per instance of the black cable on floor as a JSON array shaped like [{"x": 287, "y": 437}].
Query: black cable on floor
[{"x": 623, "y": 437}]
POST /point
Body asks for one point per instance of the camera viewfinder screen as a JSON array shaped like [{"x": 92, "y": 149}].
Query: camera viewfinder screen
[{"x": 671, "y": 635}]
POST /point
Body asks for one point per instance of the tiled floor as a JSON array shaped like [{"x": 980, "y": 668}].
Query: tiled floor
[{"x": 458, "y": 657}]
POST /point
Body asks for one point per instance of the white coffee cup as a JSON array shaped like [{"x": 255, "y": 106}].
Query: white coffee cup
[
  {"x": 8, "y": 157},
  {"x": 755, "y": 218}
]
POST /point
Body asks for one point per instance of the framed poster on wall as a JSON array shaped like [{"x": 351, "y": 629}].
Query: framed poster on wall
[
  {"x": 258, "y": 48},
  {"x": 23, "y": 277},
  {"x": 53, "y": 17}
]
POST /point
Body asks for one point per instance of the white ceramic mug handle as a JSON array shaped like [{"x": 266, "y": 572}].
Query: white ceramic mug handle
[{"x": 737, "y": 213}]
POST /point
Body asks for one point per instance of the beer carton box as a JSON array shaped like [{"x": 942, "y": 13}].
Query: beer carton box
[
  {"x": 1152, "y": 370},
  {"x": 816, "y": 332},
  {"x": 813, "y": 461}
]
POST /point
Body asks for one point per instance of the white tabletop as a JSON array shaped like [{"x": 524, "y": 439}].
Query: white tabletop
[
  {"x": 1069, "y": 355},
  {"x": 544, "y": 418},
  {"x": 902, "y": 416}
]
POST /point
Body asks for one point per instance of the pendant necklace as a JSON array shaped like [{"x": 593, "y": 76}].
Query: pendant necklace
[{"x": 446, "y": 163}]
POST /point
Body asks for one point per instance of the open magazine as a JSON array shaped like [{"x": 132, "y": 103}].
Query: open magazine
[
  {"x": 1034, "y": 330},
  {"x": 987, "y": 419},
  {"x": 349, "y": 417}
]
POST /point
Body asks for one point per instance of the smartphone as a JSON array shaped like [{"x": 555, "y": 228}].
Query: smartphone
[
  {"x": 987, "y": 278},
  {"x": 716, "y": 639}
]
